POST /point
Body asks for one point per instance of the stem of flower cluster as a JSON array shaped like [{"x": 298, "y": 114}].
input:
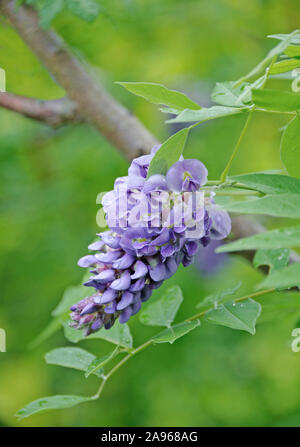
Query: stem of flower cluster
[
  {"x": 145, "y": 345},
  {"x": 237, "y": 146}
]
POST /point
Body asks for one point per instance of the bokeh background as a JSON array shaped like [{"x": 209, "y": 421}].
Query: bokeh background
[{"x": 49, "y": 182}]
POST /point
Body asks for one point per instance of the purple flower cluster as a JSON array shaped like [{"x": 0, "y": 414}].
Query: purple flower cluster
[{"x": 155, "y": 224}]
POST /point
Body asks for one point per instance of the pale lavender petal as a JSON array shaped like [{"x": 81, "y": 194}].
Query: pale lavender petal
[
  {"x": 121, "y": 283},
  {"x": 140, "y": 269},
  {"x": 167, "y": 250},
  {"x": 187, "y": 175},
  {"x": 124, "y": 262},
  {"x": 109, "y": 257},
  {"x": 125, "y": 301},
  {"x": 87, "y": 261},
  {"x": 97, "y": 324},
  {"x": 108, "y": 296},
  {"x": 156, "y": 182},
  {"x": 97, "y": 245},
  {"x": 105, "y": 276}
]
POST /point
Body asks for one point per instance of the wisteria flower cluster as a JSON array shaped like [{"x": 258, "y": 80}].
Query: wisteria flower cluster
[{"x": 154, "y": 225}]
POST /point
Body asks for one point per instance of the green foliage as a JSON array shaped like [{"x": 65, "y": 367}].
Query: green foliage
[
  {"x": 241, "y": 316},
  {"x": 163, "y": 311},
  {"x": 96, "y": 365},
  {"x": 277, "y": 100},
  {"x": 275, "y": 259},
  {"x": 70, "y": 357},
  {"x": 284, "y": 278},
  {"x": 290, "y": 147},
  {"x": 219, "y": 297},
  {"x": 50, "y": 403},
  {"x": 119, "y": 334},
  {"x": 269, "y": 183},
  {"x": 205, "y": 114},
  {"x": 159, "y": 94},
  {"x": 87, "y": 10},
  {"x": 279, "y": 205},
  {"x": 174, "y": 332},
  {"x": 273, "y": 239},
  {"x": 168, "y": 153}
]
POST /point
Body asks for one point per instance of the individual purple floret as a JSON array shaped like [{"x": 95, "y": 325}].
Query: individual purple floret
[{"x": 155, "y": 224}]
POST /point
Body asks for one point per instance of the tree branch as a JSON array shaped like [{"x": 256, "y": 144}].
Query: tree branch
[
  {"x": 54, "y": 113},
  {"x": 113, "y": 120}
]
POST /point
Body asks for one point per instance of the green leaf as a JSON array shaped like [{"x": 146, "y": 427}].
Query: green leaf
[
  {"x": 275, "y": 259},
  {"x": 273, "y": 239},
  {"x": 293, "y": 38},
  {"x": 286, "y": 39},
  {"x": 277, "y": 100},
  {"x": 119, "y": 334},
  {"x": 284, "y": 66},
  {"x": 54, "y": 325},
  {"x": 168, "y": 153},
  {"x": 174, "y": 332},
  {"x": 226, "y": 94},
  {"x": 292, "y": 51},
  {"x": 163, "y": 311},
  {"x": 50, "y": 403},
  {"x": 87, "y": 10},
  {"x": 241, "y": 316},
  {"x": 283, "y": 279},
  {"x": 218, "y": 297},
  {"x": 159, "y": 94},
  {"x": 71, "y": 295},
  {"x": 279, "y": 205},
  {"x": 269, "y": 183},
  {"x": 98, "y": 363},
  {"x": 206, "y": 114},
  {"x": 290, "y": 147},
  {"x": 70, "y": 357},
  {"x": 47, "y": 11}
]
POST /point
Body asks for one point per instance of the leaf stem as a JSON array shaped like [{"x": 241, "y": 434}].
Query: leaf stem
[{"x": 237, "y": 146}]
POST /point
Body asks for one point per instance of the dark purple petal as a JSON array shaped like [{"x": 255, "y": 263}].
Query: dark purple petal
[
  {"x": 146, "y": 293},
  {"x": 89, "y": 309},
  {"x": 97, "y": 324},
  {"x": 136, "y": 307},
  {"x": 167, "y": 250},
  {"x": 163, "y": 238},
  {"x": 111, "y": 308},
  {"x": 122, "y": 283},
  {"x": 155, "y": 284},
  {"x": 87, "y": 261},
  {"x": 172, "y": 267},
  {"x": 137, "y": 285},
  {"x": 125, "y": 315},
  {"x": 191, "y": 248},
  {"x": 140, "y": 269},
  {"x": 158, "y": 273},
  {"x": 125, "y": 301}
]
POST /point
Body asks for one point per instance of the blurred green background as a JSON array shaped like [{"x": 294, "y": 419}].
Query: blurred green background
[{"x": 49, "y": 182}]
